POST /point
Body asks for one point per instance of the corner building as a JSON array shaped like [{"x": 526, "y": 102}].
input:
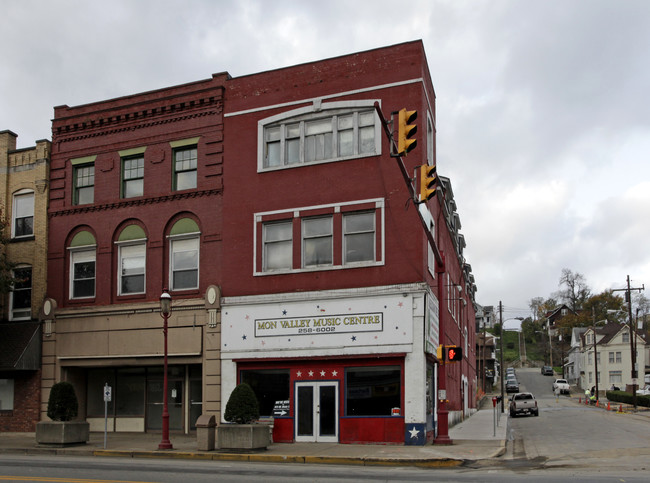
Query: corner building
[
  {"x": 135, "y": 208},
  {"x": 334, "y": 297}
]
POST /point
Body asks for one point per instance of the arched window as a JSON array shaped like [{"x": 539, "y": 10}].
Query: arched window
[
  {"x": 132, "y": 256},
  {"x": 82, "y": 249},
  {"x": 184, "y": 255}
]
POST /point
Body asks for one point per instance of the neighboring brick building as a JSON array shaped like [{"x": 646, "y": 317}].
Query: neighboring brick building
[
  {"x": 24, "y": 177},
  {"x": 332, "y": 295},
  {"x": 135, "y": 208}
]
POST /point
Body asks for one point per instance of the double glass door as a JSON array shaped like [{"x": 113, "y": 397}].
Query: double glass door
[{"x": 317, "y": 414}]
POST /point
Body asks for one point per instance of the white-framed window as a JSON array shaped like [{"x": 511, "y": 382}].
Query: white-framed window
[
  {"x": 82, "y": 272},
  {"x": 317, "y": 241},
  {"x": 358, "y": 237},
  {"x": 611, "y": 358},
  {"x": 6, "y": 394},
  {"x": 83, "y": 184},
  {"x": 322, "y": 237},
  {"x": 277, "y": 238},
  {"x": 619, "y": 357},
  {"x": 132, "y": 268},
  {"x": 133, "y": 176},
  {"x": 185, "y": 168},
  {"x": 319, "y": 133},
  {"x": 184, "y": 263},
  {"x": 626, "y": 337},
  {"x": 615, "y": 377},
  {"x": 21, "y": 294},
  {"x": 23, "y": 214}
]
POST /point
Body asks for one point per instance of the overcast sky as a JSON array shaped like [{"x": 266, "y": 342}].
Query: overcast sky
[{"x": 543, "y": 107}]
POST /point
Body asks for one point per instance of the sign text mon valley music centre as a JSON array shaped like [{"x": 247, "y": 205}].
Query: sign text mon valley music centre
[{"x": 370, "y": 322}]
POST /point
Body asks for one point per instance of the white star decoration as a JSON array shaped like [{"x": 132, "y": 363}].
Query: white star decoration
[
  {"x": 322, "y": 373},
  {"x": 311, "y": 373},
  {"x": 414, "y": 432},
  {"x": 299, "y": 373},
  {"x": 334, "y": 373}
]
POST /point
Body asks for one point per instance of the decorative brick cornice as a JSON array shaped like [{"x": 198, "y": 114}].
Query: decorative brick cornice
[{"x": 135, "y": 202}]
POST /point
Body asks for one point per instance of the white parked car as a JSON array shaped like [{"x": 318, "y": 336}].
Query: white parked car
[
  {"x": 645, "y": 391},
  {"x": 562, "y": 385}
]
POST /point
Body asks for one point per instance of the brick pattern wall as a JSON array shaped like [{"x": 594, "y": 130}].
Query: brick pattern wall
[{"x": 26, "y": 412}]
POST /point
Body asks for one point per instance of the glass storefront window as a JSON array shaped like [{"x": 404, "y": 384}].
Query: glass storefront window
[
  {"x": 372, "y": 391},
  {"x": 269, "y": 385}
]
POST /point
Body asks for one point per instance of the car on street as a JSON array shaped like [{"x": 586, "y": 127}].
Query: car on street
[
  {"x": 512, "y": 385},
  {"x": 547, "y": 371},
  {"x": 562, "y": 385},
  {"x": 523, "y": 403},
  {"x": 645, "y": 391}
]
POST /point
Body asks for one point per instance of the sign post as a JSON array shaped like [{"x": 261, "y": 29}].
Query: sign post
[
  {"x": 494, "y": 411},
  {"x": 107, "y": 398}
]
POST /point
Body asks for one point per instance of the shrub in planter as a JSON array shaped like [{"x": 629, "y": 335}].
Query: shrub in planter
[
  {"x": 242, "y": 406},
  {"x": 62, "y": 408},
  {"x": 62, "y": 404}
]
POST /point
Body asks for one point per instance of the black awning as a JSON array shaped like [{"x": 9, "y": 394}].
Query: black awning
[{"x": 20, "y": 346}]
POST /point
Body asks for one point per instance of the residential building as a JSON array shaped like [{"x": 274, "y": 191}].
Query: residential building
[
  {"x": 335, "y": 301},
  {"x": 572, "y": 365},
  {"x": 136, "y": 208},
  {"x": 486, "y": 360},
  {"x": 485, "y": 317},
  {"x": 609, "y": 357},
  {"x": 24, "y": 190}
]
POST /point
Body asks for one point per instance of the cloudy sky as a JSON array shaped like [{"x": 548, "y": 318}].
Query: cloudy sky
[{"x": 543, "y": 107}]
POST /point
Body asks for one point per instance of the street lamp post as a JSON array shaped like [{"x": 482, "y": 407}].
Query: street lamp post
[{"x": 165, "y": 310}]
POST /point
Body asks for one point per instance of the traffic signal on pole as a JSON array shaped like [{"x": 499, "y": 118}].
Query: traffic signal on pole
[
  {"x": 454, "y": 354},
  {"x": 406, "y": 131},
  {"x": 440, "y": 353},
  {"x": 428, "y": 180}
]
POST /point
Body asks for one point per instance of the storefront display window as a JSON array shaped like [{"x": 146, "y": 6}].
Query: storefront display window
[
  {"x": 269, "y": 385},
  {"x": 372, "y": 391}
]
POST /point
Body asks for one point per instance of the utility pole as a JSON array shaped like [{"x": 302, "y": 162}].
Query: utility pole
[
  {"x": 501, "y": 351},
  {"x": 628, "y": 300}
]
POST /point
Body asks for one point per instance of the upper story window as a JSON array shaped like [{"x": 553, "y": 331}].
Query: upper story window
[
  {"x": 626, "y": 337},
  {"x": 82, "y": 265},
  {"x": 23, "y": 214},
  {"x": 133, "y": 176},
  {"x": 319, "y": 133},
  {"x": 185, "y": 163},
  {"x": 21, "y": 294},
  {"x": 132, "y": 260},
  {"x": 278, "y": 246},
  {"x": 83, "y": 180},
  {"x": 351, "y": 234},
  {"x": 359, "y": 237},
  {"x": 184, "y": 255}
]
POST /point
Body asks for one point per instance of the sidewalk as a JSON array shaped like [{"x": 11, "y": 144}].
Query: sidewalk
[{"x": 473, "y": 439}]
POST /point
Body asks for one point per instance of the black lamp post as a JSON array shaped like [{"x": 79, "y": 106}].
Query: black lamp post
[{"x": 165, "y": 310}]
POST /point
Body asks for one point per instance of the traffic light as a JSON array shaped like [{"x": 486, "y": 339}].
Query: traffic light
[
  {"x": 454, "y": 354},
  {"x": 406, "y": 130},
  {"x": 440, "y": 353},
  {"x": 428, "y": 180}
]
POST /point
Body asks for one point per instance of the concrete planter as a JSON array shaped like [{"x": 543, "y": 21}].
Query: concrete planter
[
  {"x": 243, "y": 436},
  {"x": 62, "y": 433}
]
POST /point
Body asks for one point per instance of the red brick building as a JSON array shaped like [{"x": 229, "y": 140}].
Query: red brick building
[
  {"x": 334, "y": 303},
  {"x": 296, "y": 258}
]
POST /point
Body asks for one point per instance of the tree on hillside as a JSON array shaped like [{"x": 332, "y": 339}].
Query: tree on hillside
[
  {"x": 574, "y": 290},
  {"x": 541, "y": 307}
]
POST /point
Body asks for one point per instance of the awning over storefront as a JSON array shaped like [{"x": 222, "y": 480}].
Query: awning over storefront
[{"x": 20, "y": 346}]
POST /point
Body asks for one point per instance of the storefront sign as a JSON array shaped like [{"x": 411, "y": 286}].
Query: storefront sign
[
  {"x": 281, "y": 408},
  {"x": 371, "y": 322}
]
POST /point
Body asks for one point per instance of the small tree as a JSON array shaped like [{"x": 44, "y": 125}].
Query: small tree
[
  {"x": 242, "y": 406},
  {"x": 62, "y": 404}
]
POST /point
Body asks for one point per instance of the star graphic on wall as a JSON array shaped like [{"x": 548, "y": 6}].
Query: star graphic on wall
[
  {"x": 247, "y": 317},
  {"x": 414, "y": 432},
  {"x": 400, "y": 305},
  {"x": 311, "y": 373},
  {"x": 243, "y": 337},
  {"x": 284, "y": 312},
  {"x": 299, "y": 374},
  {"x": 334, "y": 373},
  {"x": 354, "y": 337},
  {"x": 322, "y": 373}
]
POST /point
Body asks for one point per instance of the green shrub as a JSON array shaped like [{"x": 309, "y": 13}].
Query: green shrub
[
  {"x": 242, "y": 406},
  {"x": 62, "y": 404}
]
